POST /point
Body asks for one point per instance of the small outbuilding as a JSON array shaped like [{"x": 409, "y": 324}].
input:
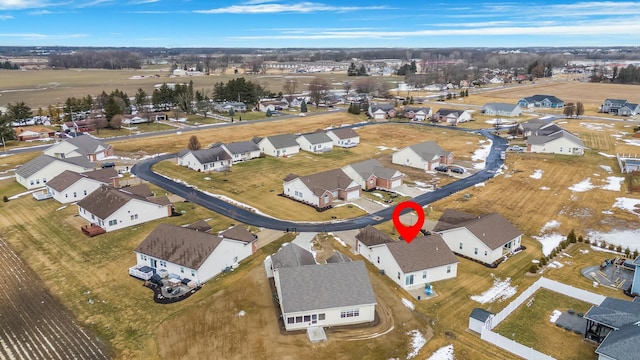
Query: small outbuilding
[{"x": 478, "y": 319}]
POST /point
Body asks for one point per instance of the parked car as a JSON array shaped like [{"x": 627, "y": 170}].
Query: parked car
[
  {"x": 457, "y": 170},
  {"x": 516, "y": 148},
  {"x": 441, "y": 168}
]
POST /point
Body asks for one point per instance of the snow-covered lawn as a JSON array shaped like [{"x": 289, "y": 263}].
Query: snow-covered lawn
[
  {"x": 550, "y": 225},
  {"x": 584, "y": 185},
  {"x": 537, "y": 174},
  {"x": 501, "y": 290},
  {"x": 479, "y": 156},
  {"x": 624, "y": 238},
  {"x": 554, "y": 317},
  {"x": 628, "y": 204},
  {"x": 417, "y": 342},
  {"x": 444, "y": 353},
  {"x": 549, "y": 242},
  {"x": 614, "y": 183},
  {"x": 408, "y": 304}
]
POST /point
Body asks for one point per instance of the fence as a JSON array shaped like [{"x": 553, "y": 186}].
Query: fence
[{"x": 515, "y": 347}]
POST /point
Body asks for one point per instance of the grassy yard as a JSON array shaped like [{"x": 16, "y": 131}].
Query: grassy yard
[{"x": 539, "y": 333}]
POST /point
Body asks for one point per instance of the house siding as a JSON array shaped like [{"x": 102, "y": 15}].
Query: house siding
[
  {"x": 268, "y": 149},
  {"x": 314, "y": 148},
  {"x": 558, "y": 146},
  {"x": 222, "y": 257},
  {"x": 40, "y": 178},
  {"x": 145, "y": 212},
  {"x": 350, "y": 142},
  {"x": 332, "y": 317},
  {"x": 296, "y": 189},
  {"x": 408, "y": 157},
  {"x": 76, "y": 192}
]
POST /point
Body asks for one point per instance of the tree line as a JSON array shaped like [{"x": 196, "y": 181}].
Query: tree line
[{"x": 107, "y": 59}]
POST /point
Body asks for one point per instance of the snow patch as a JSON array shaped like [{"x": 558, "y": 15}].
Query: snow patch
[
  {"x": 549, "y": 242},
  {"x": 584, "y": 185},
  {"x": 242, "y": 313},
  {"x": 606, "y": 155},
  {"x": 555, "y": 264},
  {"x": 537, "y": 174},
  {"x": 627, "y": 204},
  {"x": 480, "y": 155},
  {"x": 595, "y": 248},
  {"x": 338, "y": 239},
  {"x": 624, "y": 238},
  {"x": 382, "y": 148},
  {"x": 408, "y": 304},
  {"x": 417, "y": 342},
  {"x": 501, "y": 290},
  {"x": 544, "y": 188},
  {"x": 554, "y": 316},
  {"x": 614, "y": 183},
  {"x": 606, "y": 168},
  {"x": 550, "y": 225},
  {"x": 444, "y": 353}
]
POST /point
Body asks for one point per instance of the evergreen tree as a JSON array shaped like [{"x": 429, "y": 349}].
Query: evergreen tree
[
  {"x": 303, "y": 106},
  {"x": 269, "y": 113}
]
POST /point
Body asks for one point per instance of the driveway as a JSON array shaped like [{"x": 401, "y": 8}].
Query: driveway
[
  {"x": 407, "y": 190},
  {"x": 368, "y": 205},
  {"x": 304, "y": 240}
]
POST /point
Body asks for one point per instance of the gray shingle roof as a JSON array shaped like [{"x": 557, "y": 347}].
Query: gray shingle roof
[
  {"x": 242, "y": 147},
  {"x": 501, "y": 107},
  {"x": 623, "y": 344},
  {"x": 373, "y": 167},
  {"x": 338, "y": 257},
  {"x": 68, "y": 178},
  {"x": 371, "y": 236},
  {"x": 41, "y": 161},
  {"x": 282, "y": 141},
  {"x": 480, "y": 314},
  {"x": 344, "y": 133},
  {"x": 317, "y": 287},
  {"x": 200, "y": 225},
  {"x": 107, "y": 199},
  {"x": 179, "y": 245},
  {"x": 211, "y": 155},
  {"x": 317, "y": 138},
  {"x": 382, "y": 106},
  {"x": 539, "y": 98},
  {"x": 428, "y": 150},
  {"x": 422, "y": 253},
  {"x": 615, "y": 313},
  {"x": 291, "y": 255},
  {"x": 322, "y": 182},
  {"x": 87, "y": 144},
  {"x": 445, "y": 112},
  {"x": 239, "y": 233},
  {"x": 492, "y": 229}
]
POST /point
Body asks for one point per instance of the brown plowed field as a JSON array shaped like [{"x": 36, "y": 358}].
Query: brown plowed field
[{"x": 34, "y": 325}]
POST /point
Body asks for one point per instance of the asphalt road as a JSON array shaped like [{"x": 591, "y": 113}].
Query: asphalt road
[{"x": 143, "y": 170}]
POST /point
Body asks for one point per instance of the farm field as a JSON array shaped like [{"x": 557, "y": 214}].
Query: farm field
[{"x": 76, "y": 269}]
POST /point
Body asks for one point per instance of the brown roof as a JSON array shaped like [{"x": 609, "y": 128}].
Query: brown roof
[
  {"x": 139, "y": 190},
  {"x": 492, "y": 229},
  {"x": 107, "y": 199},
  {"x": 371, "y": 236},
  {"x": 290, "y": 255},
  {"x": 199, "y": 226},
  {"x": 68, "y": 178},
  {"x": 344, "y": 133},
  {"x": 322, "y": 182},
  {"x": 422, "y": 253},
  {"x": 179, "y": 245},
  {"x": 239, "y": 233}
]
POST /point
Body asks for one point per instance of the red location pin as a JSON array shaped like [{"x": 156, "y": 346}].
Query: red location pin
[{"x": 408, "y": 233}]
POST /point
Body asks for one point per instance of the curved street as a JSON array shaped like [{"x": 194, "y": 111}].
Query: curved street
[{"x": 143, "y": 170}]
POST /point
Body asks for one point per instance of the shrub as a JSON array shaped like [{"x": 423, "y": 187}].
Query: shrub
[
  {"x": 580, "y": 238},
  {"x": 603, "y": 245},
  {"x": 612, "y": 247},
  {"x": 572, "y": 236},
  {"x": 543, "y": 261},
  {"x": 587, "y": 241},
  {"x": 5, "y": 199},
  {"x": 635, "y": 253},
  {"x": 627, "y": 252},
  {"x": 533, "y": 268},
  {"x": 619, "y": 248}
]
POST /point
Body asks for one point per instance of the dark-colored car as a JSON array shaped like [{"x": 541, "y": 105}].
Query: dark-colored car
[
  {"x": 457, "y": 170},
  {"x": 441, "y": 168},
  {"x": 108, "y": 165}
]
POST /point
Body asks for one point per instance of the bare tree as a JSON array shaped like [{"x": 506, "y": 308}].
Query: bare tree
[
  {"x": 289, "y": 88},
  {"x": 116, "y": 121},
  {"x": 569, "y": 110},
  {"x": 318, "y": 89},
  {"x": 579, "y": 109},
  {"x": 347, "y": 85},
  {"x": 194, "y": 143}
]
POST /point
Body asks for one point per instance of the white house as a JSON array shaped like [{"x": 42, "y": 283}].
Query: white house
[
  {"x": 282, "y": 145},
  {"x": 242, "y": 151},
  {"x": 322, "y": 189},
  {"x": 418, "y": 113},
  {"x": 273, "y": 105},
  {"x": 485, "y": 238},
  {"x": 424, "y": 260},
  {"x": 424, "y": 156},
  {"x": 370, "y": 174},
  {"x": 502, "y": 109},
  {"x": 452, "y": 116},
  {"x": 320, "y": 295},
  {"x": 211, "y": 159},
  {"x": 190, "y": 254},
  {"x": 317, "y": 142},
  {"x": 344, "y": 137},
  {"x": 368, "y": 239},
  {"x": 113, "y": 209},
  {"x": 70, "y": 186},
  {"x": 35, "y": 173},
  {"x": 80, "y": 146},
  {"x": 543, "y": 136}
]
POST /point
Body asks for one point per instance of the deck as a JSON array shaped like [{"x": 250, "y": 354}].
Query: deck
[{"x": 92, "y": 230}]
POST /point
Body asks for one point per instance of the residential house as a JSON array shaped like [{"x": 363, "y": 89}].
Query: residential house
[
  {"x": 273, "y": 105},
  {"x": 282, "y": 145},
  {"x": 228, "y": 106},
  {"x": 381, "y": 111},
  {"x": 620, "y": 107},
  {"x": 241, "y": 234},
  {"x": 417, "y": 113},
  {"x": 317, "y": 142},
  {"x": 113, "y": 209},
  {"x": 82, "y": 146},
  {"x": 543, "y": 136},
  {"x": 242, "y": 151},
  {"x": 189, "y": 254},
  {"x": 502, "y": 109},
  {"x": 452, "y": 116},
  {"x": 211, "y": 159},
  {"x": 412, "y": 265},
  {"x": 320, "y": 295},
  {"x": 370, "y": 174},
  {"x": 37, "y": 172},
  {"x": 322, "y": 189},
  {"x": 542, "y": 101},
  {"x": 344, "y": 137},
  {"x": 70, "y": 186},
  {"x": 368, "y": 239},
  {"x": 33, "y": 133},
  {"x": 78, "y": 126},
  {"x": 614, "y": 325},
  {"x": 485, "y": 238},
  {"x": 424, "y": 156}
]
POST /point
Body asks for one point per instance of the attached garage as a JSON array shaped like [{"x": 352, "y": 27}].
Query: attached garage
[
  {"x": 353, "y": 194},
  {"x": 396, "y": 183}
]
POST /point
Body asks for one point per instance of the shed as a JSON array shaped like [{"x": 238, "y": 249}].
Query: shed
[{"x": 478, "y": 319}]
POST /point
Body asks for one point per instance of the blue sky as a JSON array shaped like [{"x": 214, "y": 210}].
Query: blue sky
[{"x": 318, "y": 24}]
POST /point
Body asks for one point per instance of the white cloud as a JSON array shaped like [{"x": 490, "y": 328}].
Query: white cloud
[
  {"x": 36, "y": 36},
  {"x": 6, "y": 17},
  {"x": 270, "y": 8}
]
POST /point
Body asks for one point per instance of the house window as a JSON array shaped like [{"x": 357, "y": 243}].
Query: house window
[
  {"x": 85, "y": 193},
  {"x": 193, "y": 273},
  {"x": 485, "y": 253},
  {"x": 44, "y": 181},
  {"x": 398, "y": 275},
  {"x": 298, "y": 319},
  {"x": 409, "y": 280},
  {"x": 37, "y": 181},
  {"x": 320, "y": 317},
  {"x": 143, "y": 257},
  {"x": 75, "y": 194},
  {"x": 424, "y": 274},
  {"x": 291, "y": 320},
  {"x": 163, "y": 263},
  {"x": 475, "y": 251},
  {"x": 448, "y": 269},
  {"x": 378, "y": 259},
  {"x": 93, "y": 217},
  {"x": 307, "y": 318},
  {"x": 326, "y": 199},
  {"x": 460, "y": 246},
  {"x": 66, "y": 195},
  {"x": 113, "y": 222},
  {"x": 350, "y": 313},
  {"x": 235, "y": 259}
]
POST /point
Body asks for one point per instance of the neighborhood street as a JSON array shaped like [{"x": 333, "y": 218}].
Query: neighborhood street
[{"x": 143, "y": 170}]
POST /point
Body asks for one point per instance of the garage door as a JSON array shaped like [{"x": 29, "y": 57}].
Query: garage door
[
  {"x": 396, "y": 183},
  {"x": 354, "y": 194}
]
